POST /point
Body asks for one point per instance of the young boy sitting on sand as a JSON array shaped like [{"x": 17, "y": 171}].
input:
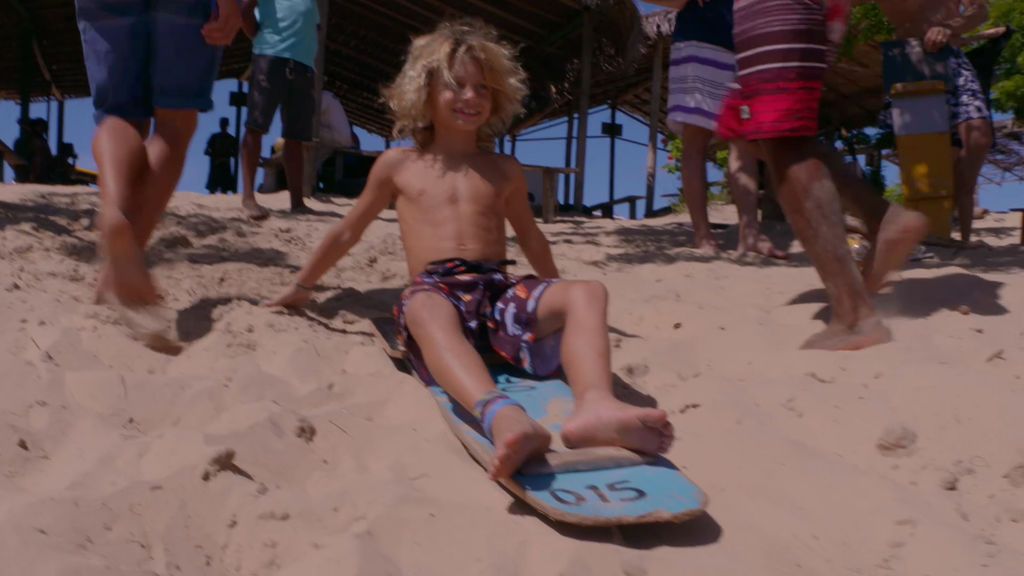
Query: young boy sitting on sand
[{"x": 460, "y": 89}]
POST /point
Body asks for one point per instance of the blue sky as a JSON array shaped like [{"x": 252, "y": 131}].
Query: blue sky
[{"x": 630, "y": 171}]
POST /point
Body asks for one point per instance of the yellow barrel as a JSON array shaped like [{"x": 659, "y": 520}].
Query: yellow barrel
[{"x": 925, "y": 148}]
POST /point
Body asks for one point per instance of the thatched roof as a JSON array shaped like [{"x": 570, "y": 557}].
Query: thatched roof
[{"x": 367, "y": 40}]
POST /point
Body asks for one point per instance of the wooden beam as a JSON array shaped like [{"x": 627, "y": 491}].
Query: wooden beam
[
  {"x": 657, "y": 75},
  {"x": 568, "y": 156},
  {"x": 611, "y": 160},
  {"x": 586, "y": 62}
]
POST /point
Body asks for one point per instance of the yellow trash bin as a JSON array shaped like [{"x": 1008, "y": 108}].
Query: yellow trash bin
[{"x": 920, "y": 118}]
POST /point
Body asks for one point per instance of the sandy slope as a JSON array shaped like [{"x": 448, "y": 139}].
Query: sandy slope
[{"x": 104, "y": 444}]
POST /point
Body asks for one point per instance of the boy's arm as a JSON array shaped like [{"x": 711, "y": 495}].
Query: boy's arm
[
  {"x": 223, "y": 26},
  {"x": 379, "y": 191},
  {"x": 520, "y": 215},
  {"x": 250, "y": 25}
]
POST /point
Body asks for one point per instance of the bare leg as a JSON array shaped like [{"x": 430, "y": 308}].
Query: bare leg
[
  {"x": 893, "y": 230},
  {"x": 165, "y": 150},
  {"x": 580, "y": 310},
  {"x": 976, "y": 136},
  {"x": 165, "y": 154},
  {"x": 695, "y": 185},
  {"x": 251, "y": 143},
  {"x": 121, "y": 158},
  {"x": 458, "y": 368},
  {"x": 811, "y": 203},
  {"x": 294, "y": 168},
  {"x": 743, "y": 185}
]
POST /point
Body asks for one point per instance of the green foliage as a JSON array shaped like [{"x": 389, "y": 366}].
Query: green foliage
[
  {"x": 867, "y": 24},
  {"x": 894, "y": 194},
  {"x": 717, "y": 191},
  {"x": 1008, "y": 87}
]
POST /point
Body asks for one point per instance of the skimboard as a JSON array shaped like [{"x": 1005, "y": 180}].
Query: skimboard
[{"x": 589, "y": 486}]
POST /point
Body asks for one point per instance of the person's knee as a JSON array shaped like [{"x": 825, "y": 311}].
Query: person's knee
[
  {"x": 589, "y": 294},
  {"x": 426, "y": 311}
]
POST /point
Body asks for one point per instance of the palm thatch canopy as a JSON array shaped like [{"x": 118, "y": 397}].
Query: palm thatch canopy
[{"x": 366, "y": 44}]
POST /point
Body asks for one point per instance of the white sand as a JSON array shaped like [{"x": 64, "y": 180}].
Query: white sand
[{"x": 115, "y": 438}]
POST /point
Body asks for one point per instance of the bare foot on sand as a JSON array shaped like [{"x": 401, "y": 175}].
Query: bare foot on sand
[
  {"x": 517, "y": 438},
  {"x": 125, "y": 267},
  {"x": 302, "y": 209},
  {"x": 153, "y": 326},
  {"x": 869, "y": 332},
  {"x": 757, "y": 243},
  {"x": 706, "y": 245},
  {"x": 900, "y": 233},
  {"x": 253, "y": 210},
  {"x": 610, "y": 422}
]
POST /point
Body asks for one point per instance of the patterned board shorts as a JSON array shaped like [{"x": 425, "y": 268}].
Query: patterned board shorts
[
  {"x": 498, "y": 312},
  {"x": 964, "y": 95}
]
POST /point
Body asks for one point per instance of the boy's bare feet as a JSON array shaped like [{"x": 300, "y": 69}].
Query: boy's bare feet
[
  {"x": 606, "y": 421},
  {"x": 153, "y": 326},
  {"x": 869, "y": 332},
  {"x": 706, "y": 245},
  {"x": 128, "y": 278},
  {"x": 517, "y": 438},
  {"x": 253, "y": 210},
  {"x": 757, "y": 243},
  {"x": 899, "y": 234},
  {"x": 302, "y": 209}
]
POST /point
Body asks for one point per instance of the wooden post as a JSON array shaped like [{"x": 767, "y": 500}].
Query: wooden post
[
  {"x": 501, "y": 145},
  {"x": 60, "y": 124},
  {"x": 584, "y": 108},
  {"x": 655, "y": 120},
  {"x": 567, "y": 198},
  {"x": 387, "y": 143},
  {"x": 238, "y": 139},
  {"x": 310, "y": 150},
  {"x": 513, "y": 139},
  {"x": 25, "y": 67},
  {"x": 549, "y": 195},
  {"x": 611, "y": 164}
]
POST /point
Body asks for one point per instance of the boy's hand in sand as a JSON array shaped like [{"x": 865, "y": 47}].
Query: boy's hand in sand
[
  {"x": 224, "y": 25},
  {"x": 295, "y": 297}
]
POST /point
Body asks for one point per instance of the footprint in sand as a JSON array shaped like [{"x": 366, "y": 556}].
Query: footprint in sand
[
  {"x": 897, "y": 441},
  {"x": 636, "y": 371},
  {"x": 305, "y": 431},
  {"x": 1015, "y": 476}
]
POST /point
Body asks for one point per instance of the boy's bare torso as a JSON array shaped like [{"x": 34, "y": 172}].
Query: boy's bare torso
[{"x": 451, "y": 209}]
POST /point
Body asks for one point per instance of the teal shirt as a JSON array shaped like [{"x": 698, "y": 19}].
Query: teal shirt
[{"x": 288, "y": 29}]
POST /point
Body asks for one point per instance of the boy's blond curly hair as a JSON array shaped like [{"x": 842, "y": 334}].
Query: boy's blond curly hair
[{"x": 434, "y": 54}]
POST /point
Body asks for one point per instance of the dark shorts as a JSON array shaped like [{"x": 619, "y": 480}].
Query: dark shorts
[
  {"x": 498, "y": 312},
  {"x": 781, "y": 58},
  {"x": 147, "y": 54},
  {"x": 286, "y": 83}
]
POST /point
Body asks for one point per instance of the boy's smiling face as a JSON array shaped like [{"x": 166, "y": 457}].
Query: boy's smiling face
[{"x": 465, "y": 103}]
